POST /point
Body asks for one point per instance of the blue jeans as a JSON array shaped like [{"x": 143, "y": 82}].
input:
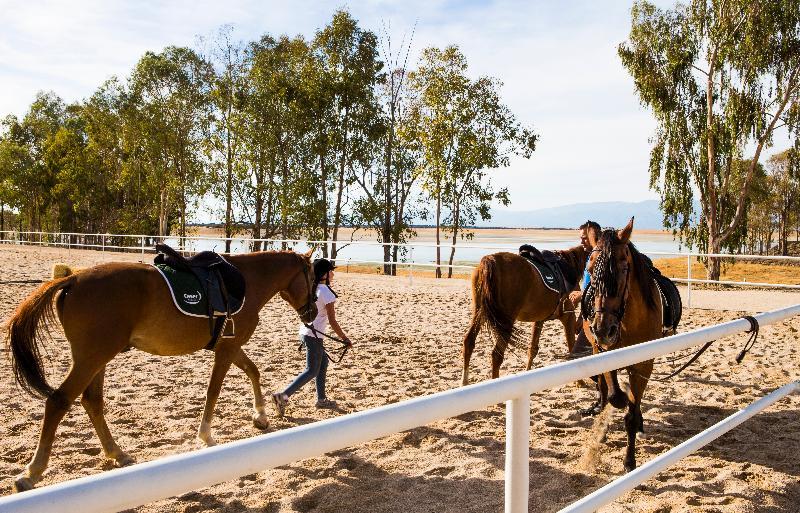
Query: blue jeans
[{"x": 316, "y": 367}]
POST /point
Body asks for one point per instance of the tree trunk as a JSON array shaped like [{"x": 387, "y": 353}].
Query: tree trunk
[
  {"x": 228, "y": 194},
  {"x": 456, "y": 222},
  {"x": 438, "y": 223},
  {"x": 324, "y": 201},
  {"x": 713, "y": 264},
  {"x": 259, "y": 207},
  {"x": 337, "y": 211}
]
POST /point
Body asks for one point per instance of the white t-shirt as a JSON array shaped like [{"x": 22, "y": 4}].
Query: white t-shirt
[{"x": 324, "y": 297}]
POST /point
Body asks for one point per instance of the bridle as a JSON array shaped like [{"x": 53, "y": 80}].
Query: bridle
[
  {"x": 619, "y": 313},
  {"x": 306, "y": 309}
]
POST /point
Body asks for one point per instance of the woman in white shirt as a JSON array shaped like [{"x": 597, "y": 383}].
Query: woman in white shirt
[{"x": 311, "y": 339}]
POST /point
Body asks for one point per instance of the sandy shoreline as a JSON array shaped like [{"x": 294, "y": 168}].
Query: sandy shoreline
[{"x": 408, "y": 344}]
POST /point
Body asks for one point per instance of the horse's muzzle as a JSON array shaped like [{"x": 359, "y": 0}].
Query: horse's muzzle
[{"x": 606, "y": 335}]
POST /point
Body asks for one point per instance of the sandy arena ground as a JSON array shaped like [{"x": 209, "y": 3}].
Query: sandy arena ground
[{"x": 408, "y": 344}]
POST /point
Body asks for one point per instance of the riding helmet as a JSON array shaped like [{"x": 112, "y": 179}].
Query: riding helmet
[{"x": 321, "y": 268}]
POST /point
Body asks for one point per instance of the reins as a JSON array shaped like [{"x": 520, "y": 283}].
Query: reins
[{"x": 345, "y": 345}]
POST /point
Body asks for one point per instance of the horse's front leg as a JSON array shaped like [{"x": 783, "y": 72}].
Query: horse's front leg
[
  {"x": 222, "y": 362},
  {"x": 616, "y": 396},
  {"x": 533, "y": 350},
  {"x": 634, "y": 422},
  {"x": 246, "y": 364}
]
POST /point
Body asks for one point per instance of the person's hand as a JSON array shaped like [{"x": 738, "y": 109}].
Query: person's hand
[{"x": 575, "y": 297}]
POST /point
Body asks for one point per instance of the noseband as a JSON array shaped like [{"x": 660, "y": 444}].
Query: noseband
[
  {"x": 305, "y": 310},
  {"x": 619, "y": 313}
]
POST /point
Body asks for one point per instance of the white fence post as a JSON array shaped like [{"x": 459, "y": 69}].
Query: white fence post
[
  {"x": 688, "y": 281},
  {"x": 518, "y": 442},
  {"x": 411, "y": 267}
]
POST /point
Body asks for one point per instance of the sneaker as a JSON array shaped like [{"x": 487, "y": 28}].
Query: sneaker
[
  {"x": 280, "y": 400},
  {"x": 326, "y": 404}
]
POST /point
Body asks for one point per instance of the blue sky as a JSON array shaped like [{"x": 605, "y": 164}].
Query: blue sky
[{"x": 557, "y": 61}]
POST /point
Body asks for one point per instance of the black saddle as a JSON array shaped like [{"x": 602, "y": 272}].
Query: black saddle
[
  {"x": 563, "y": 278},
  {"x": 670, "y": 299},
  {"x": 222, "y": 282}
]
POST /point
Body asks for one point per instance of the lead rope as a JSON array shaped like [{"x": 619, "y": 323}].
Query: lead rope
[
  {"x": 754, "y": 327},
  {"x": 750, "y": 341},
  {"x": 319, "y": 335}
]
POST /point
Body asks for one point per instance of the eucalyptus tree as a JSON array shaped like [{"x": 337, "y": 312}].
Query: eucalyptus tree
[
  {"x": 226, "y": 127},
  {"x": 784, "y": 169},
  {"x": 387, "y": 202},
  {"x": 347, "y": 112},
  {"x": 463, "y": 130},
  {"x": 275, "y": 145},
  {"x": 168, "y": 93},
  {"x": 720, "y": 76},
  {"x": 29, "y": 176}
]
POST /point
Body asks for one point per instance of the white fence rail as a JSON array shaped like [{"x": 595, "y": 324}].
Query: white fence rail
[{"x": 143, "y": 483}]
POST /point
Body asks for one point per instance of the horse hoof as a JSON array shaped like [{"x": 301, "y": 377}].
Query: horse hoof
[
  {"x": 123, "y": 460},
  {"x": 592, "y": 411},
  {"x": 22, "y": 484},
  {"x": 260, "y": 421},
  {"x": 630, "y": 465}
]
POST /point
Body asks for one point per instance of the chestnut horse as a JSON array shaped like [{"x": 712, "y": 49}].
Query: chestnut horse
[
  {"x": 622, "y": 307},
  {"x": 506, "y": 288},
  {"x": 112, "y": 307}
]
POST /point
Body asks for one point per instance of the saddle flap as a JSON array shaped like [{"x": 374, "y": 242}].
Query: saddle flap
[{"x": 548, "y": 264}]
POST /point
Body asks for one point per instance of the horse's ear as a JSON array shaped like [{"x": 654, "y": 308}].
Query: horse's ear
[
  {"x": 625, "y": 234},
  {"x": 308, "y": 253}
]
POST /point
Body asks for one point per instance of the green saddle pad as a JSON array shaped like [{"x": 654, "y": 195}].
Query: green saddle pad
[{"x": 187, "y": 294}]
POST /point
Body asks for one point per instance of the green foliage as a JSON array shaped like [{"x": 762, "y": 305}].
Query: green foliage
[
  {"x": 720, "y": 76},
  {"x": 286, "y": 137},
  {"x": 462, "y": 130}
]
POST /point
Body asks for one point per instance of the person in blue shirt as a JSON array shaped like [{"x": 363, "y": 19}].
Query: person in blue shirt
[{"x": 582, "y": 347}]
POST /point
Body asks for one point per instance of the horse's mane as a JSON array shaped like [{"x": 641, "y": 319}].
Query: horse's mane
[
  {"x": 572, "y": 263},
  {"x": 606, "y": 273}
]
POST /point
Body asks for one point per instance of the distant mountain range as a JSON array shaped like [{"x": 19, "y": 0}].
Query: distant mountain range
[{"x": 608, "y": 214}]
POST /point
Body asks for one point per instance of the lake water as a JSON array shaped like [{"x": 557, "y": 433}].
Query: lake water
[{"x": 422, "y": 250}]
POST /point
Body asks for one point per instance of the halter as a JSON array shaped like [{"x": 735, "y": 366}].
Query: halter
[
  {"x": 312, "y": 300},
  {"x": 619, "y": 313}
]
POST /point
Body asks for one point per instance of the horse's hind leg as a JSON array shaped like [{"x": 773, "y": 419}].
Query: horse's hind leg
[
  {"x": 242, "y": 361},
  {"x": 533, "y": 349},
  {"x": 498, "y": 355},
  {"x": 55, "y": 408},
  {"x": 469, "y": 347},
  {"x": 92, "y": 401},
  {"x": 222, "y": 362}
]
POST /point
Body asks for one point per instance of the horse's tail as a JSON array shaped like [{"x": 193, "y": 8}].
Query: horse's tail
[
  {"x": 488, "y": 310},
  {"x": 28, "y": 328}
]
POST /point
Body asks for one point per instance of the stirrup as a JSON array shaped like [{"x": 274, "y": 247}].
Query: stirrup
[{"x": 228, "y": 333}]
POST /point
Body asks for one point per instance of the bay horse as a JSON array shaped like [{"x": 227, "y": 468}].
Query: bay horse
[
  {"x": 622, "y": 307},
  {"x": 112, "y": 307},
  {"x": 506, "y": 288}
]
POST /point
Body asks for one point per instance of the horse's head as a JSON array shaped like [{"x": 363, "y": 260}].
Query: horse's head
[
  {"x": 300, "y": 292},
  {"x": 609, "y": 266}
]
